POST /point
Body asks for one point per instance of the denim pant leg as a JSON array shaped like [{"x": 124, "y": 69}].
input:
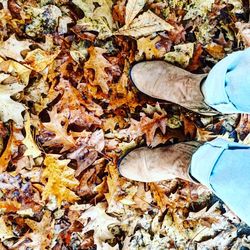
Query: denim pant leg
[
  {"x": 224, "y": 167},
  {"x": 227, "y": 87}
]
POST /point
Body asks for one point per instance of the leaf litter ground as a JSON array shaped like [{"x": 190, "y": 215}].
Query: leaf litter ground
[{"x": 69, "y": 111}]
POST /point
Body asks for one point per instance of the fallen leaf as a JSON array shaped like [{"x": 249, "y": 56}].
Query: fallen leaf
[
  {"x": 147, "y": 46},
  {"x": 198, "y": 8},
  {"x": 12, "y": 48},
  {"x": 133, "y": 7},
  {"x": 7, "y": 153},
  {"x": 59, "y": 180},
  {"x": 58, "y": 126},
  {"x": 149, "y": 126},
  {"x": 182, "y": 54},
  {"x": 98, "y": 63},
  {"x": 159, "y": 195},
  {"x": 97, "y": 18},
  {"x": 39, "y": 59},
  {"x": 5, "y": 231},
  {"x": 10, "y": 206},
  {"x": 95, "y": 218},
  {"x": 244, "y": 32},
  {"x": 9, "y": 109},
  {"x": 144, "y": 25},
  {"x": 31, "y": 147},
  {"x": 14, "y": 68},
  {"x": 215, "y": 50},
  {"x": 42, "y": 232}
]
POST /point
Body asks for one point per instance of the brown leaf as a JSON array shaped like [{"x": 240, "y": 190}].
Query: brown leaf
[{"x": 98, "y": 63}]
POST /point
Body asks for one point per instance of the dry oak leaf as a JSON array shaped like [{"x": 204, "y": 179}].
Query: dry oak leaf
[
  {"x": 10, "y": 206},
  {"x": 10, "y": 109},
  {"x": 72, "y": 104},
  {"x": 215, "y": 50},
  {"x": 61, "y": 138},
  {"x": 144, "y": 25},
  {"x": 95, "y": 218},
  {"x": 31, "y": 147},
  {"x": 159, "y": 195},
  {"x": 11, "y": 145},
  {"x": 244, "y": 32},
  {"x": 96, "y": 19},
  {"x": 12, "y": 48},
  {"x": 12, "y": 67},
  {"x": 149, "y": 126},
  {"x": 147, "y": 46},
  {"x": 133, "y": 7},
  {"x": 182, "y": 54},
  {"x": 5, "y": 231},
  {"x": 59, "y": 180},
  {"x": 42, "y": 232},
  {"x": 39, "y": 59},
  {"x": 98, "y": 63}
]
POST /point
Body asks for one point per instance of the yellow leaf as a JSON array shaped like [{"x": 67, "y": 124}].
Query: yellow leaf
[
  {"x": 98, "y": 63},
  {"x": 32, "y": 148},
  {"x": 39, "y": 59},
  {"x": 133, "y": 7},
  {"x": 59, "y": 180},
  {"x": 145, "y": 25},
  {"x": 12, "y": 48},
  {"x": 146, "y": 46}
]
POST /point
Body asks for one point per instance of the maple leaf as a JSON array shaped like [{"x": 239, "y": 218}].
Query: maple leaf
[
  {"x": 55, "y": 126},
  {"x": 95, "y": 218},
  {"x": 59, "y": 180},
  {"x": 133, "y": 7},
  {"x": 42, "y": 233},
  {"x": 9, "y": 109},
  {"x": 98, "y": 63},
  {"x": 144, "y": 25},
  {"x": 12, "y": 48},
  {"x": 39, "y": 59},
  {"x": 147, "y": 46}
]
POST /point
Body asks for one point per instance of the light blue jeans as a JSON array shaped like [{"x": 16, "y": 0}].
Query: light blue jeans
[{"x": 224, "y": 166}]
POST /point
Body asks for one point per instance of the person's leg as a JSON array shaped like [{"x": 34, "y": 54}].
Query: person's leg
[
  {"x": 227, "y": 86},
  {"x": 224, "y": 167}
]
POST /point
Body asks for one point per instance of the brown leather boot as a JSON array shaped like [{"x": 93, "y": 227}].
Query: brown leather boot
[
  {"x": 163, "y": 163},
  {"x": 164, "y": 81}
]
